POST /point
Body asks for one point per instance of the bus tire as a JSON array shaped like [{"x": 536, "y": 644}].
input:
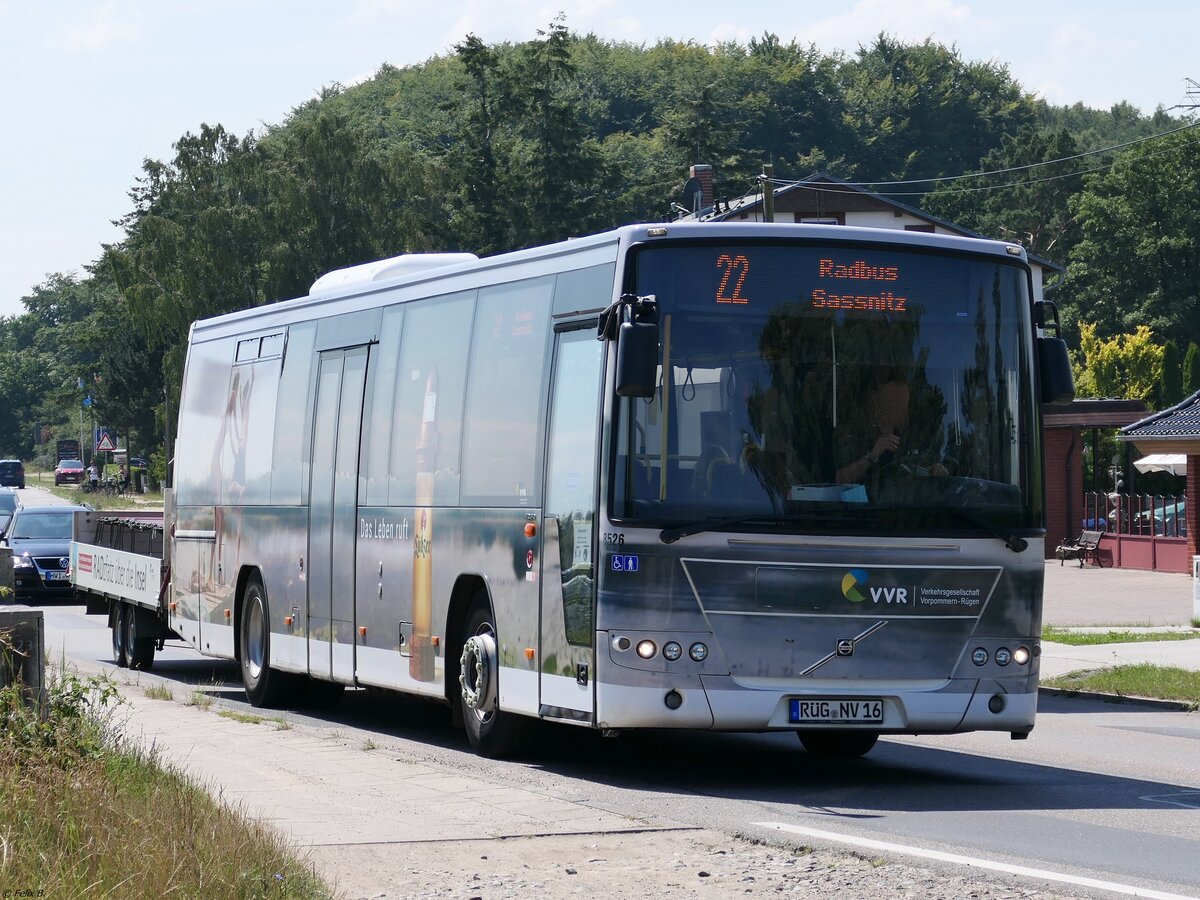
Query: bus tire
[
  {"x": 838, "y": 744},
  {"x": 138, "y": 647},
  {"x": 493, "y": 733},
  {"x": 119, "y": 645},
  {"x": 265, "y": 687}
]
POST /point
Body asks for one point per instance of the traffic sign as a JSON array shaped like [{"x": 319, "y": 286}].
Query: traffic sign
[{"x": 106, "y": 444}]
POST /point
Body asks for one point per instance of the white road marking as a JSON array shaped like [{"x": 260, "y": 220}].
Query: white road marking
[{"x": 973, "y": 861}]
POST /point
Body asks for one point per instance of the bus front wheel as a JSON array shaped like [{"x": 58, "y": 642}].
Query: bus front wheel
[
  {"x": 838, "y": 744},
  {"x": 492, "y": 733},
  {"x": 264, "y": 686}
]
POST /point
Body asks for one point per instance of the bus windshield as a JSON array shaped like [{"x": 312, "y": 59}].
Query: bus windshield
[{"x": 832, "y": 388}]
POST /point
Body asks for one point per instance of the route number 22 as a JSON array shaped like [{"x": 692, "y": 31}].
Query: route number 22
[{"x": 736, "y": 268}]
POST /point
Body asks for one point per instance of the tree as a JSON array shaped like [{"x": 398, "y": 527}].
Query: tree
[
  {"x": 920, "y": 111},
  {"x": 1028, "y": 202},
  {"x": 1138, "y": 260},
  {"x": 1171, "y": 386},
  {"x": 1127, "y": 366},
  {"x": 1191, "y": 370}
]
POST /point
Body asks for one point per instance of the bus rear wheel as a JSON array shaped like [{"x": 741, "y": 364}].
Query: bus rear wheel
[
  {"x": 139, "y": 648},
  {"x": 838, "y": 744},
  {"x": 492, "y": 733},
  {"x": 265, "y": 687},
  {"x": 120, "y": 636}
]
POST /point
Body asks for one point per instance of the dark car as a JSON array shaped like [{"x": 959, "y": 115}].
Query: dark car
[
  {"x": 137, "y": 462},
  {"x": 12, "y": 473},
  {"x": 8, "y": 505},
  {"x": 40, "y": 539},
  {"x": 69, "y": 470}
]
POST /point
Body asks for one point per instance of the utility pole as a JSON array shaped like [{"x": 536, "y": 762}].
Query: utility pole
[
  {"x": 767, "y": 179},
  {"x": 1193, "y": 95}
]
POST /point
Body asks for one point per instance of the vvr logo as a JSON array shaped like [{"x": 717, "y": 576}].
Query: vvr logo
[
  {"x": 890, "y": 595},
  {"x": 853, "y": 583}
]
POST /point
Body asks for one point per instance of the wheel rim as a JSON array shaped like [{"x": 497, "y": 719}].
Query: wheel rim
[
  {"x": 255, "y": 639},
  {"x": 477, "y": 673}
]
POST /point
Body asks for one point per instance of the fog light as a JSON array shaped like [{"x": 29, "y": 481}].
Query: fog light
[
  {"x": 622, "y": 643},
  {"x": 673, "y": 699},
  {"x": 646, "y": 649},
  {"x": 672, "y": 651},
  {"x": 979, "y": 656},
  {"x": 996, "y": 703},
  {"x": 1021, "y": 656},
  {"x": 698, "y": 651},
  {"x": 1003, "y": 656}
]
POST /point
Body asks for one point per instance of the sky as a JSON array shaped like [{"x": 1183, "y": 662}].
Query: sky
[{"x": 92, "y": 89}]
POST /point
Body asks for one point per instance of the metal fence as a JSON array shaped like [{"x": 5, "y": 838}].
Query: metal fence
[{"x": 1160, "y": 515}]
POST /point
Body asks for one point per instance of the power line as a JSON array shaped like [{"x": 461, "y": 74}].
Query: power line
[{"x": 850, "y": 187}]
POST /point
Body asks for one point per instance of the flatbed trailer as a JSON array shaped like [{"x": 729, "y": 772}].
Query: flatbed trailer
[{"x": 121, "y": 567}]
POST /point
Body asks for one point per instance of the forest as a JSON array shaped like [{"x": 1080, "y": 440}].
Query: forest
[{"x": 491, "y": 148}]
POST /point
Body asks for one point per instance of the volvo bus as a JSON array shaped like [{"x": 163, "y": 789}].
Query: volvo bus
[{"x": 736, "y": 477}]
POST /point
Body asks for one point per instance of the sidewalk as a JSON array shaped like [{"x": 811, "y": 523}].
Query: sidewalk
[{"x": 1129, "y": 598}]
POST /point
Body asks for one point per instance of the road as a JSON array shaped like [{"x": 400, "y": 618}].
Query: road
[{"x": 1100, "y": 792}]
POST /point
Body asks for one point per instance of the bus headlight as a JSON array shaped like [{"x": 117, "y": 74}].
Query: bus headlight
[
  {"x": 646, "y": 649},
  {"x": 1021, "y": 656},
  {"x": 979, "y": 656},
  {"x": 1003, "y": 656},
  {"x": 672, "y": 650},
  {"x": 698, "y": 651}
]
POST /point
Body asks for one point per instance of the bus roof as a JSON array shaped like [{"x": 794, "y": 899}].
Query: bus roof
[{"x": 413, "y": 276}]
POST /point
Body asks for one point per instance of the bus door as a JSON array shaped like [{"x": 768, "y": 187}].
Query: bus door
[
  {"x": 333, "y": 513},
  {"x": 567, "y": 630}
]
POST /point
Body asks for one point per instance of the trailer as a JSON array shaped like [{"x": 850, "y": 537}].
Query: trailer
[{"x": 121, "y": 567}]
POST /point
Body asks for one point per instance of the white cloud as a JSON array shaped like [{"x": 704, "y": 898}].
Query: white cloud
[
  {"x": 910, "y": 21},
  {"x": 112, "y": 23}
]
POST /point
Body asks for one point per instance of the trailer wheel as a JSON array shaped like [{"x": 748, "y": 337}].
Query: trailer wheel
[
  {"x": 264, "y": 686},
  {"x": 119, "y": 644},
  {"x": 139, "y": 648},
  {"x": 838, "y": 744},
  {"x": 492, "y": 733}
]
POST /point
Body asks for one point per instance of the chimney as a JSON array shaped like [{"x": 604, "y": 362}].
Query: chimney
[{"x": 704, "y": 175}]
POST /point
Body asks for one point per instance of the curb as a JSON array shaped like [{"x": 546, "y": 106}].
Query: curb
[{"x": 1152, "y": 702}]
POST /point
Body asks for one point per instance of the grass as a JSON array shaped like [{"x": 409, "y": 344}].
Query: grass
[
  {"x": 200, "y": 700},
  {"x": 1141, "y": 680},
  {"x": 83, "y": 814},
  {"x": 1087, "y": 638},
  {"x": 159, "y": 692},
  {"x": 248, "y": 718}
]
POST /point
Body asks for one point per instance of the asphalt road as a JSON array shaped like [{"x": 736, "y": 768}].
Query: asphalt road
[{"x": 1100, "y": 791}]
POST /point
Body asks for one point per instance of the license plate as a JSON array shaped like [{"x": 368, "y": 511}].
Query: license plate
[
  {"x": 57, "y": 576},
  {"x": 829, "y": 709}
]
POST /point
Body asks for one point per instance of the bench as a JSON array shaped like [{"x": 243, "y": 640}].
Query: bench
[{"x": 1084, "y": 548}]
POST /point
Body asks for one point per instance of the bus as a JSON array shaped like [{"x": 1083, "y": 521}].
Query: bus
[{"x": 640, "y": 479}]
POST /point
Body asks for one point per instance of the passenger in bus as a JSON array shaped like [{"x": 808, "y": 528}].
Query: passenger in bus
[{"x": 876, "y": 442}]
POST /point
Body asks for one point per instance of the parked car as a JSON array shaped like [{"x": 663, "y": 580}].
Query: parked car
[
  {"x": 8, "y": 505},
  {"x": 69, "y": 471},
  {"x": 1169, "y": 519},
  {"x": 40, "y": 539},
  {"x": 12, "y": 473},
  {"x": 137, "y": 462}
]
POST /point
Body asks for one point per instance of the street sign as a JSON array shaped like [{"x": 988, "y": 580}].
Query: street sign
[{"x": 106, "y": 444}]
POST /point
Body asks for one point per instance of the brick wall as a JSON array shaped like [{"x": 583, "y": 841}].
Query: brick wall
[{"x": 1064, "y": 485}]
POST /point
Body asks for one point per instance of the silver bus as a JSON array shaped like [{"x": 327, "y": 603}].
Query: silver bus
[{"x": 741, "y": 477}]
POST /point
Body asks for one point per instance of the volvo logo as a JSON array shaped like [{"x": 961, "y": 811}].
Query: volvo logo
[{"x": 845, "y": 647}]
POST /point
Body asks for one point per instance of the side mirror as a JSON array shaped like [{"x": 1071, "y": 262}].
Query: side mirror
[
  {"x": 1054, "y": 364},
  {"x": 637, "y": 359}
]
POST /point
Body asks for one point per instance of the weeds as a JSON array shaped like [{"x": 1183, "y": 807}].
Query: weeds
[
  {"x": 159, "y": 692},
  {"x": 82, "y": 814},
  {"x": 1085, "y": 638},
  {"x": 248, "y": 718}
]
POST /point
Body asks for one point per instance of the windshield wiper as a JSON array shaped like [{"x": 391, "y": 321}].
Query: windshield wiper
[
  {"x": 1013, "y": 542},
  {"x": 675, "y": 532}
]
